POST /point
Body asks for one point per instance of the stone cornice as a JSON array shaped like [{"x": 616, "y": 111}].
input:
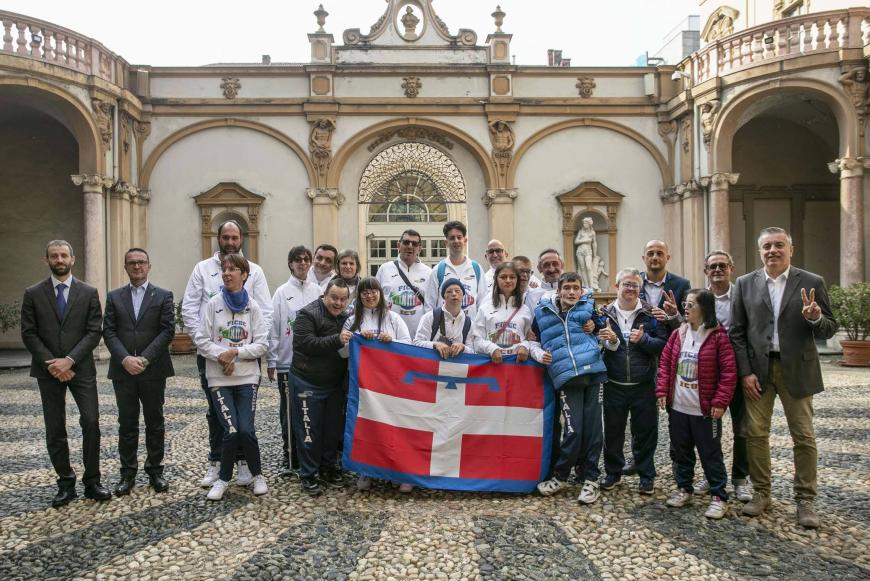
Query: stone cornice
[
  {"x": 325, "y": 196},
  {"x": 500, "y": 196},
  {"x": 92, "y": 183},
  {"x": 719, "y": 180}
]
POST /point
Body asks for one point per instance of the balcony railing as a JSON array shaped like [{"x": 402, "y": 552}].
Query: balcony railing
[
  {"x": 820, "y": 32},
  {"x": 28, "y": 37}
]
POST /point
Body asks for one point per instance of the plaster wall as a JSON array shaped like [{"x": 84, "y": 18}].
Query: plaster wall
[
  {"x": 198, "y": 162},
  {"x": 391, "y": 86},
  {"x": 416, "y": 55},
  {"x": 564, "y": 86},
  {"x": 209, "y": 87}
]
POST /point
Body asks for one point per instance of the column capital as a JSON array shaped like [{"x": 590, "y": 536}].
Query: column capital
[
  {"x": 500, "y": 196},
  {"x": 849, "y": 167},
  {"x": 91, "y": 183},
  {"x": 325, "y": 196},
  {"x": 683, "y": 191},
  {"x": 719, "y": 180},
  {"x": 123, "y": 191}
]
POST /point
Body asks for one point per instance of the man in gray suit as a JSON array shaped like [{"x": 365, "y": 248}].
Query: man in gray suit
[
  {"x": 777, "y": 313},
  {"x": 60, "y": 326},
  {"x": 138, "y": 326}
]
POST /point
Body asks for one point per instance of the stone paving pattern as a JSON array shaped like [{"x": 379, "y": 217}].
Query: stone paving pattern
[{"x": 381, "y": 534}]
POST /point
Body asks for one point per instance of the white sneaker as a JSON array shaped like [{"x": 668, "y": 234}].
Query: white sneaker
[
  {"x": 717, "y": 508},
  {"x": 589, "y": 493},
  {"x": 218, "y": 489},
  {"x": 679, "y": 498},
  {"x": 701, "y": 486},
  {"x": 551, "y": 486},
  {"x": 243, "y": 476},
  {"x": 363, "y": 483},
  {"x": 260, "y": 486},
  {"x": 406, "y": 488},
  {"x": 211, "y": 475},
  {"x": 743, "y": 492}
]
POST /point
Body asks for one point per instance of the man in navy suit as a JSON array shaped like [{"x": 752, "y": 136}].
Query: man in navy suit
[
  {"x": 61, "y": 322},
  {"x": 138, "y": 326}
]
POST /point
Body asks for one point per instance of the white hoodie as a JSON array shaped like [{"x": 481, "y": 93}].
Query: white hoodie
[
  {"x": 312, "y": 277},
  {"x": 475, "y": 289},
  {"x": 452, "y": 331},
  {"x": 288, "y": 299},
  {"x": 392, "y": 325},
  {"x": 492, "y": 331},
  {"x": 222, "y": 330}
]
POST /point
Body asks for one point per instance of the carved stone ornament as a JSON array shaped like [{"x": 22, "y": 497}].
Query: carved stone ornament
[
  {"x": 667, "y": 129},
  {"x": 103, "y": 115},
  {"x": 231, "y": 87},
  {"x": 393, "y": 13},
  {"x": 411, "y": 133},
  {"x": 720, "y": 181},
  {"x": 709, "y": 111},
  {"x": 410, "y": 22},
  {"x": 857, "y": 87},
  {"x": 499, "y": 196},
  {"x": 501, "y": 134},
  {"x": 585, "y": 86},
  {"x": 412, "y": 86},
  {"x": 123, "y": 190},
  {"x": 142, "y": 129},
  {"x": 498, "y": 17},
  {"x": 683, "y": 191},
  {"x": 720, "y": 24},
  {"x": 321, "y": 15},
  {"x": 91, "y": 180},
  {"x": 686, "y": 136},
  {"x": 849, "y": 167},
  {"x": 320, "y": 145},
  {"x": 325, "y": 195}
]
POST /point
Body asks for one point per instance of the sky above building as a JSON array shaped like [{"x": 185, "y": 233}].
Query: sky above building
[{"x": 184, "y": 33}]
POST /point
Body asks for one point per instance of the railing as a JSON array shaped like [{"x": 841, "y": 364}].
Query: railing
[
  {"x": 28, "y": 37},
  {"x": 828, "y": 31}
]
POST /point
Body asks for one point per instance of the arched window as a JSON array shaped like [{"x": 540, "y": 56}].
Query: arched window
[{"x": 408, "y": 197}]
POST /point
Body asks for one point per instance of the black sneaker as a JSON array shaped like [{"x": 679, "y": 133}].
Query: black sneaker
[
  {"x": 647, "y": 487},
  {"x": 311, "y": 486},
  {"x": 630, "y": 469},
  {"x": 609, "y": 481},
  {"x": 333, "y": 478}
]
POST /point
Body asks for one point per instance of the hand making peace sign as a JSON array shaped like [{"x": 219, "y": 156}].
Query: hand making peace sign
[{"x": 811, "y": 310}]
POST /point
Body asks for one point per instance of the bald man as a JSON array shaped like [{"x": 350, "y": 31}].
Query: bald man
[{"x": 495, "y": 255}]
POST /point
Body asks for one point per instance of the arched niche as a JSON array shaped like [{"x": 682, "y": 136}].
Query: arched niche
[{"x": 229, "y": 201}]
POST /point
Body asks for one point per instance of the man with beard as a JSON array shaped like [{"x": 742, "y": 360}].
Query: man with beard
[
  {"x": 204, "y": 283},
  {"x": 61, "y": 324},
  {"x": 551, "y": 266}
]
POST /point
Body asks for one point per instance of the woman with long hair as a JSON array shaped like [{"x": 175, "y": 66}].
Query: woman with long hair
[
  {"x": 696, "y": 381},
  {"x": 502, "y": 324}
]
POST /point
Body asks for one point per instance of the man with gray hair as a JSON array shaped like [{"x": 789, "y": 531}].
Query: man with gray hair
[{"x": 633, "y": 340}]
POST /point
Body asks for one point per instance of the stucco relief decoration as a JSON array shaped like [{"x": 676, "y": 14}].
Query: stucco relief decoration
[
  {"x": 410, "y": 22},
  {"x": 411, "y": 133},
  {"x": 709, "y": 110},
  {"x": 720, "y": 24},
  {"x": 857, "y": 87},
  {"x": 686, "y": 134},
  {"x": 412, "y": 86},
  {"x": 103, "y": 115},
  {"x": 231, "y": 87},
  {"x": 585, "y": 86},
  {"x": 320, "y": 14},
  {"x": 667, "y": 129},
  {"x": 501, "y": 134},
  {"x": 320, "y": 145},
  {"x": 417, "y": 157}
]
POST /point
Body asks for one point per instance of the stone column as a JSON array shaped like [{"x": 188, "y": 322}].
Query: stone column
[
  {"x": 94, "y": 187},
  {"x": 120, "y": 237},
  {"x": 851, "y": 172},
  {"x": 693, "y": 231},
  {"x": 500, "y": 204},
  {"x": 673, "y": 224},
  {"x": 720, "y": 226},
  {"x": 325, "y": 215}
]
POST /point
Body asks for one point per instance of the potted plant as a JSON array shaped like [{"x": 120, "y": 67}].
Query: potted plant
[
  {"x": 182, "y": 343},
  {"x": 851, "y": 308}
]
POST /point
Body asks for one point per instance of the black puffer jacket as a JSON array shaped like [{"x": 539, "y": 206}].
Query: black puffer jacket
[
  {"x": 635, "y": 362},
  {"x": 316, "y": 345}
]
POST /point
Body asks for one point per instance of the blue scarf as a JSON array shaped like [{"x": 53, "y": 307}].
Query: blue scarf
[{"x": 236, "y": 301}]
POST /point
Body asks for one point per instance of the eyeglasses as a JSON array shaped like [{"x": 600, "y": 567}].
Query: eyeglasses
[
  {"x": 135, "y": 263},
  {"x": 302, "y": 259},
  {"x": 495, "y": 250},
  {"x": 369, "y": 293},
  {"x": 525, "y": 271},
  {"x": 688, "y": 305},
  {"x": 414, "y": 243},
  {"x": 717, "y": 266},
  {"x": 629, "y": 285}
]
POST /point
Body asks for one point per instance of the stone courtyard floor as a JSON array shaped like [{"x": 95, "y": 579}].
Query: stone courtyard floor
[{"x": 381, "y": 534}]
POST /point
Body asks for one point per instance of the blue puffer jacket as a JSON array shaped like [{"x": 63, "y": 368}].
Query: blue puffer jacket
[{"x": 574, "y": 352}]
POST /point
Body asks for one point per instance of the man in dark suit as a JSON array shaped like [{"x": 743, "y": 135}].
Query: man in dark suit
[
  {"x": 138, "y": 326},
  {"x": 60, "y": 326},
  {"x": 777, "y": 313}
]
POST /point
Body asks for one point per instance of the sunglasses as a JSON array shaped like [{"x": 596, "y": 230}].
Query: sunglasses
[
  {"x": 414, "y": 243},
  {"x": 717, "y": 266}
]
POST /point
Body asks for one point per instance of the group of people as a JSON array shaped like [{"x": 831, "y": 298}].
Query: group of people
[{"x": 693, "y": 352}]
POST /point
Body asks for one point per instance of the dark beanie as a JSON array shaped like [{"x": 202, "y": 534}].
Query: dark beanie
[{"x": 450, "y": 282}]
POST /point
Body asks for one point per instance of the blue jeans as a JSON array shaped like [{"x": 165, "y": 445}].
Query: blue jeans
[
  {"x": 215, "y": 431},
  {"x": 236, "y": 406},
  {"x": 581, "y": 434},
  {"x": 688, "y": 432}
]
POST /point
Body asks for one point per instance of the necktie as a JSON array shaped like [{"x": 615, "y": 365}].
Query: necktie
[{"x": 61, "y": 300}]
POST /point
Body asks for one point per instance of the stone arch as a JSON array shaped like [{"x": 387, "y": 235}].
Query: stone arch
[
  {"x": 155, "y": 155},
  {"x": 658, "y": 157},
  {"x": 67, "y": 110},
  {"x": 480, "y": 154},
  {"x": 730, "y": 118}
]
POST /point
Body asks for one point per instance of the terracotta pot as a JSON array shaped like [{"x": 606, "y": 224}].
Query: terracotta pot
[
  {"x": 856, "y": 353},
  {"x": 181, "y": 344}
]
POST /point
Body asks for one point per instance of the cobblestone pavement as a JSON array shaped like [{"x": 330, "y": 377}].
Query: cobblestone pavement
[{"x": 382, "y": 534}]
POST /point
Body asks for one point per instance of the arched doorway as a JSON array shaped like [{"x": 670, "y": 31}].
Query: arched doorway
[
  {"x": 781, "y": 151},
  {"x": 408, "y": 185}
]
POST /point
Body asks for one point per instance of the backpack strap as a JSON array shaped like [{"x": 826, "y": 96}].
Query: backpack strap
[
  {"x": 466, "y": 327},
  {"x": 416, "y": 291},
  {"x": 437, "y": 323},
  {"x": 439, "y": 272}
]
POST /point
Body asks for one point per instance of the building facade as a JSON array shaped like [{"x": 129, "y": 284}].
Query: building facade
[{"x": 413, "y": 123}]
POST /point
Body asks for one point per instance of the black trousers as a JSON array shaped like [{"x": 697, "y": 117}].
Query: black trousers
[
  {"x": 130, "y": 393},
  {"x": 289, "y": 458},
  {"x": 689, "y": 432},
  {"x": 640, "y": 402},
  {"x": 215, "y": 428},
  {"x": 581, "y": 435},
  {"x": 53, "y": 394},
  {"x": 739, "y": 459},
  {"x": 317, "y": 425}
]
